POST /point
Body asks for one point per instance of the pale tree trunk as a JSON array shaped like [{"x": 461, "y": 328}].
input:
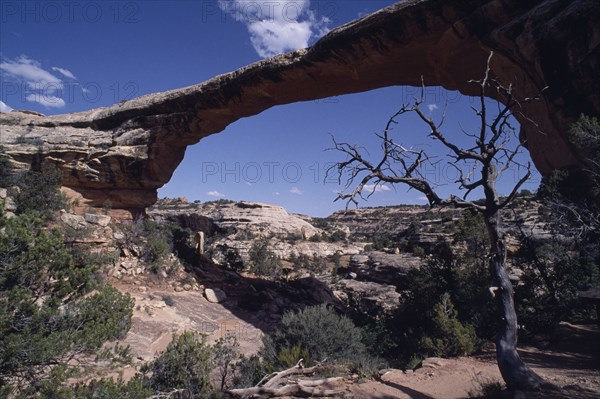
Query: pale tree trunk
[{"x": 514, "y": 372}]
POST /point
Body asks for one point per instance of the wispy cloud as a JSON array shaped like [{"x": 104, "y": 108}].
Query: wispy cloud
[
  {"x": 32, "y": 73},
  {"x": 215, "y": 194},
  {"x": 432, "y": 107},
  {"x": 44, "y": 87},
  {"x": 276, "y": 193},
  {"x": 4, "y": 107},
  {"x": 297, "y": 191},
  {"x": 65, "y": 72},
  {"x": 277, "y": 27},
  {"x": 377, "y": 188},
  {"x": 46, "y": 100}
]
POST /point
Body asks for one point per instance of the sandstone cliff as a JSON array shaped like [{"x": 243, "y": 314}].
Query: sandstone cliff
[{"x": 124, "y": 153}]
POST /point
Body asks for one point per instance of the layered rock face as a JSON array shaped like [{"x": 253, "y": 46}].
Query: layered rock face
[
  {"x": 242, "y": 218},
  {"x": 124, "y": 153}
]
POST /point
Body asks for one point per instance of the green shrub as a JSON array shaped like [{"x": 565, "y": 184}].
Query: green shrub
[
  {"x": 6, "y": 169},
  {"x": 158, "y": 245},
  {"x": 99, "y": 389},
  {"x": 77, "y": 316},
  {"x": 107, "y": 206},
  {"x": 554, "y": 272},
  {"x": 290, "y": 356},
  {"x": 449, "y": 337},
  {"x": 263, "y": 261},
  {"x": 487, "y": 388},
  {"x": 40, "y": 191},
  {"x": 249, "y": 371},
  {"x": 225, "y": 355},
  {"x": 317, "y": 331},
  {"x": 185, "y": 364}
]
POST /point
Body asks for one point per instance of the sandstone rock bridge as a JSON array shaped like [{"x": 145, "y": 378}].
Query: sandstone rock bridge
[{"x": 127, "y": 151}]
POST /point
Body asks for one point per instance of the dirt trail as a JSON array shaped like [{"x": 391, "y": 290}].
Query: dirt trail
[{"x": 573, "y": 362}]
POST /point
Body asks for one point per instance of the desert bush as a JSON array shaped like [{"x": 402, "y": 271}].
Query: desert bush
[
  {"x": 40, "y": 191},
  {"x": 486, "y": 388},
  {"x": 185, "y": 364},
  {"x": 318, "y": 332},
  {"x": 263, "y": 261},
  {"x": 554, "y": 272},
  {"x": 158, "y": 244},
  {"x": 77, "y": 315},
  {"x": 225, "y": 355},
  {"x": 249, "y": 371},
  {"x": 6, "y": 170},
  {"x": 99, "y": 389},
  {"x": 448, "y": 336},
  {"x": 289, "y": 356}
]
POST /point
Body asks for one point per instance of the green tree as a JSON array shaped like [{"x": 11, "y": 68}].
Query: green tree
[
  {"x": 185, "y": 365},
  {"x": 52, "y": 309},
  {"x": 225, "y": 355},
  {"x": 263, "y": 261},
  {"x": 40, "y": 191},
  {"x": 449, "y": 337},
  {"x": 5, "y": 169}
]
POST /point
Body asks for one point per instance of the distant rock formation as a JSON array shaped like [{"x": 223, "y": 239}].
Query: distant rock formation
[{"x": 125, "y": 152}]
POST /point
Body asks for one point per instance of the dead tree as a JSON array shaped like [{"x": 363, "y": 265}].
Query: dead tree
[
  {"x": 493, "y": 151},
  {"x": 287, "y": 382}
]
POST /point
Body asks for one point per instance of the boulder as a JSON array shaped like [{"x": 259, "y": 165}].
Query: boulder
[
  {"x": 369, "y": 298},
  {"x": 214, "y": 295},
  {"x": 74, "y": 221},
  {"x": 100, "y": 220}
]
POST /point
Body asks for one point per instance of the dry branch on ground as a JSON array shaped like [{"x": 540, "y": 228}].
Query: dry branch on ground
[{"x": 286, "y": 382}]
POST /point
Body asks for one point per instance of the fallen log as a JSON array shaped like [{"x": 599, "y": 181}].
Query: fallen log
[{"x": 278, "y": 384}]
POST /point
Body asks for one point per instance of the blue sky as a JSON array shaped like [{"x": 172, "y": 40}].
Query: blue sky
[{"x": 59, "y": 57}]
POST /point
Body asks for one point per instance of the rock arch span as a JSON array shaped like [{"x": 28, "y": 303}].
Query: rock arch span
[{"x": 127, "y": 151}]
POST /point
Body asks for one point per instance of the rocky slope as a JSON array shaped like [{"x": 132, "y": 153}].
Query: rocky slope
[
  {"x": 235, "y": 226},
  {"x": 125, "y": 152},
  {"x": 432, "y": 223},
  {"x": 337, "y": 253}
]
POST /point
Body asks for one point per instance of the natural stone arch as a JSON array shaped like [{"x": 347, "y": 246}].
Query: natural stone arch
[{"x": 126, "y": 152}]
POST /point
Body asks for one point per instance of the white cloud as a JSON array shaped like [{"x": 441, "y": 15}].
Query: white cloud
[
  {"x": 423, "y": 198},
  {"x": 276, "y": 193},
  {"x": 65, "y": 72},
  {"x": 46, "y": 100},
  {"x": 277, "y": 27},
  {"x": 215, "y": 194},
  {"x": 32, "y": 73},
  {"x": 44, "y": 87},
  {"x": 4, "y": 107},
  {"x": 296, "y": 190},
  {"x": 432, "y": 107},
  {"x": 270, "y": 38},
  {"x": 377, "y": 188}
]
